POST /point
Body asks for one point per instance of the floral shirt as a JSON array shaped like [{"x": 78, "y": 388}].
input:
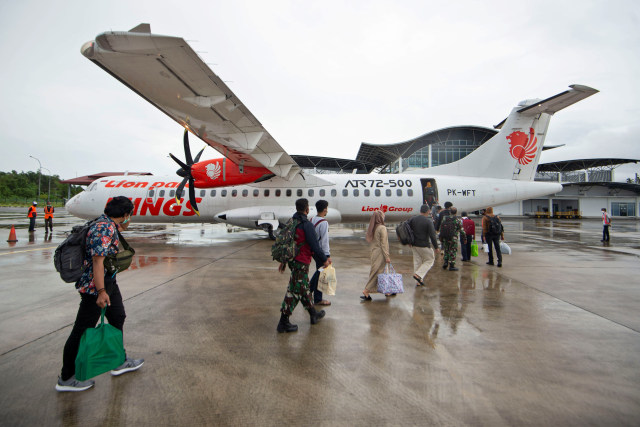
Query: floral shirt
[{"x": 102, "y": 240}]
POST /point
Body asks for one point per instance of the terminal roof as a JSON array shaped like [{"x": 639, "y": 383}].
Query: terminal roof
[
  {"x": 582, "y": 164},
  {"x": 88, "y": 179}
]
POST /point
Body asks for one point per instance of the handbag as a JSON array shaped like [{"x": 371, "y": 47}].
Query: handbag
[
  {"x": 327, "y": 281},
  {"x": 122, "y": 260},
  {"x": 474, "y": 248},
  {"x": 101, "y": 350},
  {"x": 504, "y": 248},
  {"x": 390, "y": 282}
]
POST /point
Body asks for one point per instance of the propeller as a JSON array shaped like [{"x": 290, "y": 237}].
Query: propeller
[{"x": 185, "y": 172}]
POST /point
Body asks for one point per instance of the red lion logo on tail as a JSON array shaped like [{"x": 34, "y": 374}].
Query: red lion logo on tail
[{"x": 523, "y": 148}]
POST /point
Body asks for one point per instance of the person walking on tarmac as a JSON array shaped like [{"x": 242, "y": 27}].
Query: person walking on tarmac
[
  {"x": 298, "y": 288},
  {"x": 31, "y": 214},
  {"x": 48, "y": 217},
  {"x": 98, "y": 289}
]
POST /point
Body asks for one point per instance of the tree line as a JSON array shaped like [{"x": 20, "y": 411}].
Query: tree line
[{"x": 22, "y": 187}]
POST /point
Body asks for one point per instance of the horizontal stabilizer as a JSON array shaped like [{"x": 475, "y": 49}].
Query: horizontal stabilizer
[{"x": 559, "y": 101}]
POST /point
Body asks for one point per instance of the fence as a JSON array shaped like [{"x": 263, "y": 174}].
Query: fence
[{"x": 26, "y": 201}]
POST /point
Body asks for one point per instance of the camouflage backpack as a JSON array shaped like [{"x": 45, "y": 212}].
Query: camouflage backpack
[
  {"x": 447, "y": 228},
  {"x": 285, "y": 248}
]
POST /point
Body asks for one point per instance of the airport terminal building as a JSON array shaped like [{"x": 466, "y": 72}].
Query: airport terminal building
[{"x": 588, "y": 184}]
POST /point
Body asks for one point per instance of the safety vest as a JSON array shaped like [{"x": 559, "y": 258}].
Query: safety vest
[
  {"x": 48, "y": 212},
  {"x": 605, "y": 219},
  {"x": 32, "y": 212}
]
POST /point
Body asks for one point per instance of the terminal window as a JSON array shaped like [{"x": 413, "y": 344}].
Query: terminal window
[{"x": 623, "y": 209}]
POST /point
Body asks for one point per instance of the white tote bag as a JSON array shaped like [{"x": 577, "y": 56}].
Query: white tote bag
[{"x": 327, "y": 281}]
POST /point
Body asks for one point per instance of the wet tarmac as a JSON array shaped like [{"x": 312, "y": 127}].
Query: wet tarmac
[{"x": 552, "y": 338}]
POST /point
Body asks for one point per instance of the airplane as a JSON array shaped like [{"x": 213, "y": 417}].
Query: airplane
[{"x": 256, "y": 184}]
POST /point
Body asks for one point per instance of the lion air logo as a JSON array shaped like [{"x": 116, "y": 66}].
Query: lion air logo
[
  {"x": 213, "y": 170},
  {"x": 523, "y": 148}
]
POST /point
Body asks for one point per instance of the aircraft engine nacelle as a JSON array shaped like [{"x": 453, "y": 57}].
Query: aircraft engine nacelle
[
  {"x": 263, "y": 216},
  {"x": 223, "y": 173}
]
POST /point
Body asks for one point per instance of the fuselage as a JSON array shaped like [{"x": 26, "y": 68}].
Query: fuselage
[{"x": 351, "y": 197}]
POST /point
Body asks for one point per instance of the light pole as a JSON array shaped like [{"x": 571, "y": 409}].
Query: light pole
[
  {"x": 48, "y": 192},
  {"x": 39, "y": 174}
]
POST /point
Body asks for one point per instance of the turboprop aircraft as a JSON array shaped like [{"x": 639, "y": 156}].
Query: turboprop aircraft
[{"x": 256, "y": 184}]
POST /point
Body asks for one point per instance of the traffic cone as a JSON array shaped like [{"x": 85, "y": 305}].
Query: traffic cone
[{"x": 12, "y": 235}]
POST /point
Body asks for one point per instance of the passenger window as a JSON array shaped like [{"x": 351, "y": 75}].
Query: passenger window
[
  {"x": 172, "y": 193},
  {"x": 322, "y": 192},
  {"x": 245, "y": 193},
  {"x": 288, "y": 193},
  {"x": 367, "y": 193},
  {"x": 278, "y": 192},
  {"x": 151, "y": 193},
  {"x": 213, "y": 193},
  {"x": 256, "y": 193},
  {"x": 299, "y": 193},
  {"x": 377, "y": 193},
  {"x": 161, "y": 193},
  {"x": 203, "y": 193},
  {"x": 345, "y": 192},
  {"x": 356, "y": 193},
  {"x": 399, "y": 193},
  {"x": 334, "y": 193},
  {"x": 388, "y": 193},
  {"x": 234, "y": 193},
  {"x": 409, "y": 192},
  {"x": 223, "y": 193},
  {"x": 266, "y": 193},
  {"x": 310, "y": 193}
]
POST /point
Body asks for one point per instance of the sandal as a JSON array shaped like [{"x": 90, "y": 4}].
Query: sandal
[
  {"x": 417, "y": 279},
  {"x": 365, "y": 297}
]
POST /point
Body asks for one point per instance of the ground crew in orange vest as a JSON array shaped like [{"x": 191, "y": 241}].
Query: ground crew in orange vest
[
  {"x": 48, "y": 217},
  {"x": 31, "y": 214}
]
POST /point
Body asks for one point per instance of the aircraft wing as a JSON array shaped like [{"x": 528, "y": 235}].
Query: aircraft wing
[{"x": 166, "y": 72}]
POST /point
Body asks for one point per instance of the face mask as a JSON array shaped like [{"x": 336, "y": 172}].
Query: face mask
[{"x": 126, "y": 220}]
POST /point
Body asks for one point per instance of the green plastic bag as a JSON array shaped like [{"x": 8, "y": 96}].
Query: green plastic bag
[
  {"x": 474, "y": 248},
  {"x": 101, "y": 350}
]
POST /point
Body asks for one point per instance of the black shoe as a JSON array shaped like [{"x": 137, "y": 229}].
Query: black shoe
[
  {"x": 499, "y": 264},
  {"x": 285, "y": 325},
  {"x": 365, "y": 298},
  {"x": 315, "y": 315},
  {"x": 452, "y": 267},
  {"x": 445, "y": 265},
  {"x": 490, "y": 263}
]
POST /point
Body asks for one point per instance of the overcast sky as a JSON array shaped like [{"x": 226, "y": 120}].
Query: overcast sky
[{"x": 321, "y": 77}]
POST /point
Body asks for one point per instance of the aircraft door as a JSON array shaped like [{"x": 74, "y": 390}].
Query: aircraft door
[{"x": 429, "y": 191}]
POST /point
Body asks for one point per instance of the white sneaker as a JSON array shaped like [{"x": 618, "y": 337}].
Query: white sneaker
[
  {"x": 128, "y": 366},
  {"x": 72, "y": 384}
]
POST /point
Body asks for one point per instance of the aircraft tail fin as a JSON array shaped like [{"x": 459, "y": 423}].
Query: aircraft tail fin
[{"x": 514, "y": 152}]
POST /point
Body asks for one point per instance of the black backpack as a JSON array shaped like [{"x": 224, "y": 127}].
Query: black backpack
[
  {"x": 69, "y": 256},
  {"x": 405, "y": 233},
  {"x": 447, "y": 228},
  {"x": 495, "y": 226}
]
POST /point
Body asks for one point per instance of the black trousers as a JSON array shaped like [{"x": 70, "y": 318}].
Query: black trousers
[
  {"x": 493, "y": 240},
  {"x": 32, "y": 223},
  {"x": 313, "y": 284},
  {"x": 87, "y": 317},
  {"x": 48, "y": 223},
  {"x": 605, "y": 233}
]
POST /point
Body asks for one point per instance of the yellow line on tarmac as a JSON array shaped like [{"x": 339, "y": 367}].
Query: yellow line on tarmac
[{"x": 28, "y": 250}]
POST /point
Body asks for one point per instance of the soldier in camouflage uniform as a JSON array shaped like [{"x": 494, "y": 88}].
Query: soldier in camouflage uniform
[
  {"x": 298, "y": 288},
  {"x": 450, "y": 244}
]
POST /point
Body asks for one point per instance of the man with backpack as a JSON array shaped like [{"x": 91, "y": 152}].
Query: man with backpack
[
  {"x": 424, "y": 243},
  {"x": 493, "y": 232},
  {"x": 307, "y": 247},
  {"x": 98, "y": 291},
  {"x": 450, "y": 229},
  {"x": 322, "y": 231}
]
